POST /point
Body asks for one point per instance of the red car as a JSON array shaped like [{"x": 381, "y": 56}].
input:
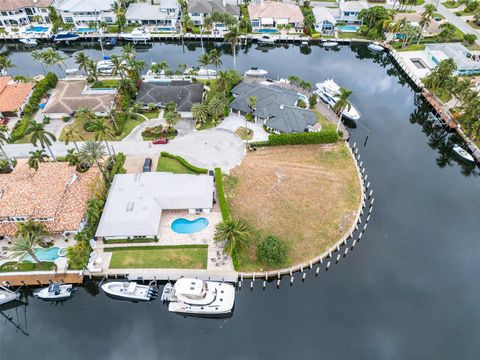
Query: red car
[
  {"x": 160, "y": 141},
  {"x": 4, "y": 121}
]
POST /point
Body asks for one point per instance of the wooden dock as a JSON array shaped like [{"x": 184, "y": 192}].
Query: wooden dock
[
  {"x": 170, "y": 274},
  {"x": 39, "y": 278}
]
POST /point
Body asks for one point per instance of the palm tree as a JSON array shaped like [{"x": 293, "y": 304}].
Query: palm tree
[
  {"x": 71, "y": 134},
  {"x": 92, "y": 152},
  {"x": 215, "y": 58},
  {"x": 426, "y": 18},
  {"x": 128, "y": 52},
  {"x": 204, "y": 60},
  {"x": 37, "y": 157},
  {"x": 118, "y": 66},
  {"x": 102, "y": 132},
  {"x": 342, "y": 103},
  {"x": 216, "y": 107},
  {"x": 52, "y": 57},
  {"x": 37, "y": 55},
  {"x": 36, "y": 228},
  {"x": 26, "y": 245},
  {"x": 223, "y": 81},
  {"x": 5, "y": 64},
  {"x": 232, "y": 37},
  {"x": 92, "y": 71},
  {"x": 199, "y": 112},
  {"x": 82, "y": 60},
  {"x": 40, "y": 135},
  {"x": 448, "y": 31},
  {"x": 134, "y": 68},
  {"x": 236, "y": 234},
  {"x": 3, "y": 141},
  {"x": 119, "y": 11},
  {"x": 172, "y": 118}
]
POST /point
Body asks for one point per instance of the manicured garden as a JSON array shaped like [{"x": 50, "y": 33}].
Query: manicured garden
[
  {"x": 14, "y": 266},
  {"x": 244, "y": 133},
  {"x": 155, "y": 257}
]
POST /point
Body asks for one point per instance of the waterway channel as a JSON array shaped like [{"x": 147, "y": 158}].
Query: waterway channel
[{"x": 409, "y": 290}]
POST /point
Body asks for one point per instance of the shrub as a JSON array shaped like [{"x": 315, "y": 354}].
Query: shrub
[
  {"x": 46, "y": 120},
  {"x": 66, "y": 118},
  {"x": 272, "y": 251},
  {"x": 78, "y": 255},
  {"x": 5, "y": 167},
  {"x": 301, "y": 104},
  {"x": 469, "y": 38},
  {"x": 312, "y": 101},
  {"x": 185, "y": 163},
  {"x": 322, "y": 137},
  {"x": 222, "y": 200},
  {"x": 18, "y": 131},
  {"x": 316, "y": 36}
]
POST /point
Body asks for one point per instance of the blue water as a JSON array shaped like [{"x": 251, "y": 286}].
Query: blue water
[
  {"x": 348, "y": 28},
  {"x": 267, "y": 31},
  {"x": 50, "y": 254},
  {"x": 165, "y": 28},
  {"x": 85, "y": 30},
  {"x": 184, "y": 226},
  {"x": 37, "y": 29}
]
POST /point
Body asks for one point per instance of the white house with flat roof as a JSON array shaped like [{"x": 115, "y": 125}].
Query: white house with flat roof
[
  {"x": 23, "y": 12},
  {"x": 82, "y": 12},
  {"x": 165, "y": 13},
  {"x": 325, "y": 22},
  {"x": 468, "y": 62},
  {"x": 136, "y": 201}
]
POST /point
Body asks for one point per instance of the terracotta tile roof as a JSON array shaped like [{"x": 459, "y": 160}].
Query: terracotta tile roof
[
  {"x": 13, "y": 94},
  {"x": 55, "y": 191},
  {"x": 6, "y": 5},
  {"x": 275, "y": 10}
]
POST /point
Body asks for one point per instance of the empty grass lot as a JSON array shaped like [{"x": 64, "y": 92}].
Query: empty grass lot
[{"x": 159, "y": 257}]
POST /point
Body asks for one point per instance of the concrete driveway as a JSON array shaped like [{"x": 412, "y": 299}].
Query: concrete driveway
[{"x": 234, "y": 121}]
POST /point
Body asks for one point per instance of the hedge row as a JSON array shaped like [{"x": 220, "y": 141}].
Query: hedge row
[
  {"x": 18, "y": 131},
  {"x": 222, "y": 200},
  {"x": 322, "y": 137},
  {"x": 185, "y": 163}
]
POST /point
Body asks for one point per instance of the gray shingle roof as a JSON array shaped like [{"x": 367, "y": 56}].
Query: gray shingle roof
[
  {"x": 184, "y": 94},
  {"x": 206, "y": 7}
]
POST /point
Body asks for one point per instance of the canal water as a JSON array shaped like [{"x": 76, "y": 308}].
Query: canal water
[{"x": 409, "y": 290}]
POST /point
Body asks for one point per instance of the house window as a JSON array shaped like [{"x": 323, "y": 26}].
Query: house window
[
  {"x": 4, "y": 13},
  {"x": 108, "y": 19},
  {"x": 195, "y": 14},
  {"x": 69, "y": 20}
]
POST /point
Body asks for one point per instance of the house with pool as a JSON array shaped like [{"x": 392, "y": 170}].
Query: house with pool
[
  {"x": 467, "y": 61},
  {"x": 165, "y": 14},
  {"x": 277, "y": 107},
  {"x": 347, "y": 14},
  {"x": 199, "y": 9},
  {"x": 325, "y": 22},
  {"x": 83, "y": 12},
  {"x": 24, "y": 12},
  {"x": 270, "y": 14},
  {"x": 159, "y": 205}
]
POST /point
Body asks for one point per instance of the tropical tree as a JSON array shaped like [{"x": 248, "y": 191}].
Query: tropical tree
[
  {"x": 342, "y": 102},
  {"x": 72, "y": 157},
  {"x": 204, "y": 60},
  {"x": 85, "y": 115},
  {"x": 82, "y": 61},
  {"x": 71, "y": 134},
  {"x": 118, "y": 66},
  {"x": 200, "y": 113},
  {"x": 102, "y": 132},
  {"x": 172, "y": 118},
  {"x": 441, "y": 76},
  {"x": 5, "y": 64},
  {"x": 447, "y": 31},
  {"x": 426, "y": 18},
  {"x": 134, "y": 68},
  {"x": 52, "y": 57},
  {"x": 232, "y": 36},
  {"x": 236, "y": 234},
  {"x": 3, "y": 141},
  {"x": 24, "y": 246},
  {"x": 40, "y": 135},
  {"x": 159, "y": 68},
  {"x": 92, "y": 71},
  {"x": 128, "y": 52},
  {"x": 92, "y": 152},
  {"x": 119, "y": 11},
  {"x": 216, "y": 107},
  {"x": 37, "y": 55},
  {"x": 30, "y": 226},
  {"x": 215, "y": 58},
  {"x": 37, "y": 157}
]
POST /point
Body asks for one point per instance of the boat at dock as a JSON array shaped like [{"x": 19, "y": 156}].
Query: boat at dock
[
  {"x": 136, "y": 35},
  {"x": 7, "y": 295},
  {"x": 464, "y": 154},
  {"x": 329, "y": 44},
  {"x": 200, "y": 71},
  {"x": 375, "y": 47},
  {"x": 130, "y": 290},
  {"x": 65, "y": 36},
  {"x": 329, "y": 92},
  {"x": 198, "y": 297},
  {"x": 256, "y": 72},
  {"x": 55, "y": 292},
  {"x": 28, "y": 41},
  {"x": 266, "y": 39}
]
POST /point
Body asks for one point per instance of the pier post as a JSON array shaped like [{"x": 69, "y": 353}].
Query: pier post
[
  {"x": 346, "y": 252},
  {"x": 251, "y": 285},
  {"x": 291, "y": 280},
  {"x": 304, "y": 276},
  {"x": 278, "y": 283},
  {"x": 338, "y": 259},
  {"x": 354, "y": 243},
  {"x": 264, "y": 284},
  {"x": 317, "y": 271},
  {"x": 328, "y": 266}
]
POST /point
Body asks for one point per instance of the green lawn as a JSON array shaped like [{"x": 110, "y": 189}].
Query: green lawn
[
  {"x": 2, "y": 30},
  {"x": 322, "y": 120},
  {"x": 350, "y": 35},
  {"x": 105, "y": 84},
  {"x": 151, "y": 114},
  {"x": 27, "y": 266},
  {"x": 166, "y": 164},
  {"x": 154, "y": 257},
  {"x": 438, "y": 16},
  {"x": 411, "y": 47},
  {"x": 451, "y": 4},
  {"x": 473, "y": 24},
  {"x": 127, "y": 241}
]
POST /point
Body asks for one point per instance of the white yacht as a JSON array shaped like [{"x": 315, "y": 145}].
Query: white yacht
[
  {"x": 266, "y": 39},
  {"x": 7, "y": 295},
  {"x": 463, "y": 153},
  {"x": 136, "y": 35},
  {"x": 193, "y": 296},
  {"x": 56, "y": 292},
  {"x": 130, "y": 290},
  {"x": 255, "y": 71},
  {"x": 330, "y": 44},
  {"x": 329, "y": 92},
  {"x": 28, "y": 41},
  {"x": 375, "y": 46},
  {"x": 200, "y": 71}
]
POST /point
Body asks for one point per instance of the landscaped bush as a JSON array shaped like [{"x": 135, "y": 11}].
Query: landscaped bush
[
  {"x": 322, "y": 137},
  {"x": 301, "y": 104},
  {"x": 185, "y": 163},
  {"x": 5, "y": 167},
  {"x": 117, "y": 166},
  {"x": 158, "y": 131},
  {"x": 272, "y": 251},
  {"x": 78, "y": 255},
  {"x": 43, "y": 86},
  {"x": 260, "y": 143},
  {"x": 18, "y": 131},
  {"x": 222, "y": 200}
]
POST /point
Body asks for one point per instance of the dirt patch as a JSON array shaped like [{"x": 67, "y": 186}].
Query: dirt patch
[{"x": 306, "y": 195}]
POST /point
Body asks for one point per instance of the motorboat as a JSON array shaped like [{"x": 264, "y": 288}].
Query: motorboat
[
  {"x": 65, "y": 36},
  {"x": 194, "y": 296},
  {"x": 330, "y": 44},
  {"x": 7, "y": 295},
  {"x": 266, "y": 39},
  {"x": 71, "y": 71},
  {"x": 255, "y": 71},
  {"x": 463, "y": 153},
  {"x": 329, "y": 92},
  {"x": 130, "y": 290},
  {"x": 28, "y": 41},
  {"x": 200, "y": 71},
  {"x": 56, "y": 291},
  {"x": 111, "y": 41},
  {"x": 136, "y": 35},
  {"x": 106, "y": 66},
  {"x": 375, "y": 46}
]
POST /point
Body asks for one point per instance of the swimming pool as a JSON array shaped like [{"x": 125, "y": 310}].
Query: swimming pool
[
  {"x": 349, "y": 28},
  {"x": 37, "y": 29},
  {"x": 184, "y": 226},
  {"x": 164, "y": 29},
  {"x": 50, "y": 254},
  {"x": 266, "y": 31},
  {"x": 85, "y": 30}
]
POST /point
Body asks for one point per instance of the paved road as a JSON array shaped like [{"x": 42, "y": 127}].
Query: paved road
[
  {"x": 234, "y": 121},
  {"x": 207, "y": 148}
]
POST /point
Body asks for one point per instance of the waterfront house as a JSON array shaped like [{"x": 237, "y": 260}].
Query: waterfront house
[
  {"x": 82, "y": 12},
  {"x": 166, "y": 13},
  {"x": 198, "y": 9},
  {"x": 468, "y": 62},
  {"x": 272, "y": 13},
  {"x": 325, "y": 22},
  {"x": 348, "y": 12},
  {"x": 24, "y": 12},
  {"x": 69, "y": 96},
  {"x": 432, "y": 29},
  {"x": 56, "y": 195},
  {"x": 182, "y": 93},
  {"x": 276, "y": 107},
  {"x": 13, "y": 96},
  {"x": 137, "y": 202}
]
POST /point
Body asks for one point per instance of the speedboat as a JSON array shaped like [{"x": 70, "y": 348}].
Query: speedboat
[
  {"x": 200, "y": 71},
  {"x": 130, "y": 291},
  {"x": 56, "y": 292},
  {"x": 463, "y": 153},
  {"x": 266, "y": 39},
  {"x": 194, "y": 296},
  {"x": 71, "y": 71},
  {"x": 65, "y": 36},
  {"x": 255, "y": 71},
  {"x": 136, "y": 35},
  {"x": 7, "y": 295},
  {"x": 330, "y": 44},
  {"x": 106, "y": 66},
  {"x": 28, "y": 41},
  {"x": 329, "y": 92},
  {"x": 375, "y": 46}
]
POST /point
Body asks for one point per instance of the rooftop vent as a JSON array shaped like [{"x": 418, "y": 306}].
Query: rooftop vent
[
  {"x": 282, "y": 106},
  {"x": 130, "y": 206}
]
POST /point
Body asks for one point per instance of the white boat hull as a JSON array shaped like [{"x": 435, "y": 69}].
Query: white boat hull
[
  {"x": 28, "y": 41},
  {"x": 329, "y": 96},
  {"x": 6, "y": 296},
  {"x": 129, "y": 291},
  {"x": 330, "y": 44},
  {"x": 463, "y": 153},
  {"x": 258, "y": 72},
  {"x": 375, "y": 47},
  {"x": 64, "y": 292}
]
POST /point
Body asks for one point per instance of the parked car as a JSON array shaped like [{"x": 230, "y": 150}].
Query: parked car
[
  {"x": 160, "y": 141},
  {"x": 147, "y": 165},
  {"x": 4, "y": 121}
]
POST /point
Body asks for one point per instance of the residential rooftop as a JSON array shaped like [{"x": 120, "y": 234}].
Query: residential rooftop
[
  {"x": 456, "y": 51},
  {"x": 323, "y": 14},
  {"x": 85, "y": 5},
  {"x": 13, "y": 94},
  {"x": 275, "y": 10},
  {"x": 183, "y": 93},
  {"x": 10, "y": 5},
  {"x": 208, "y": 6},
  {"x": 147, "y": 11}
]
